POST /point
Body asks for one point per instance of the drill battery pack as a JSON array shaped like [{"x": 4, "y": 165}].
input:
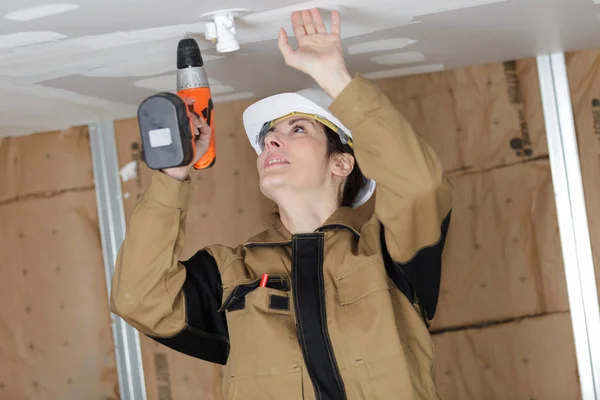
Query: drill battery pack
[{"x": 166, "y": 131}]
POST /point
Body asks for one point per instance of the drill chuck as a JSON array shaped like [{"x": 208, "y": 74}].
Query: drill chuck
[{"x": 188, "y": 54}]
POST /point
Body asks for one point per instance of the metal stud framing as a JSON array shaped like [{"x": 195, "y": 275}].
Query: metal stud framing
[
  {"x": 572, "y": 219},
  {"x": 112, "y": 231}
]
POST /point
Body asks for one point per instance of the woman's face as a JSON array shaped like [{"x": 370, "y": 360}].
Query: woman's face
[{"x": 294, "y": 158}]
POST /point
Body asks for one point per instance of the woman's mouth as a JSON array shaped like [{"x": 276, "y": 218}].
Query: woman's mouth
[{"x": 275, "y": 161}]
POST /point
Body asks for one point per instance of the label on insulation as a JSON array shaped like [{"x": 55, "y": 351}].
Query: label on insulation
[{"x": 160, "y": 137}]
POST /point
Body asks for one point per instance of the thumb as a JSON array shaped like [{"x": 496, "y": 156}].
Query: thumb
[{"x": 284, "y": 45}]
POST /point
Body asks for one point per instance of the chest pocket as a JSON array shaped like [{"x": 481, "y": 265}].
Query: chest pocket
[
  {"x": 365, "y": 311},
  {"x": 236, "y": 298},
  {"x": 361, "y": 280},
  {"x": 262, "y": 331}
]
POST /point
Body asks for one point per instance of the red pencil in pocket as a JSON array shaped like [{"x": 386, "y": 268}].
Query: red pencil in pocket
[{"x": 264, "y": 280}]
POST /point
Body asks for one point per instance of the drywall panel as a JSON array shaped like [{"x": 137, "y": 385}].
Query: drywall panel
[
  {"x": 55, "y": 329},
  {"x": 45, "y": 163},
  {"x": 477, "y": 117},
  {"x": 528, "y": 359},
  {"x": 583, "y": 69},
  {"x": 502, "y": 259},
  {"x": 33, "y": 13},
  {"x": 22, "y": 39},
  {"x": 50, "y": 108}
]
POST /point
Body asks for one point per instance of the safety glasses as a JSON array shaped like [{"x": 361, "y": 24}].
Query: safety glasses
[{"x": 269, "y": 125}]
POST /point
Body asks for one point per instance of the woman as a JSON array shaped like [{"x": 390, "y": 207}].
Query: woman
[{"x": 345, "y": 306}]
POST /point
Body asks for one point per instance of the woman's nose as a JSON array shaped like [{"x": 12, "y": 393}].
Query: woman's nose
[{"x": 272, "y": 140}]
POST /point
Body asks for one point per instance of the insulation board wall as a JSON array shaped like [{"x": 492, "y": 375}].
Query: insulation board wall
[
  {"x": 55, "y": 330},
  {"x": 583, "y": 69},
  {"x": 503, "y": 285},
  {"x": 522, "y": 359}
]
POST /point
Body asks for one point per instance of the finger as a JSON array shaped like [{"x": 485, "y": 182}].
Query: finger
[
  {"x": 319, "y": 25},
  {"x": 308, "y": 22},
  {"x": 284, "y": 45},
  {"x": 205, "y": 133},
  {"x": 189, "y": 101},
  {"x": 335, "y": 22},
  {"x": 197, "y": 123},
  {"x": 298, "y": 24}
]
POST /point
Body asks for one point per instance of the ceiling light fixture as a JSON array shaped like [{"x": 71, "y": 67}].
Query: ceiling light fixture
[
  {"x": 221, "y": 29},
  {"x": 31, "y": 13}
]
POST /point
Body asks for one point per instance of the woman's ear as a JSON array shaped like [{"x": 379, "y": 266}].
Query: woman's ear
[{"x": 343, "y": 164}]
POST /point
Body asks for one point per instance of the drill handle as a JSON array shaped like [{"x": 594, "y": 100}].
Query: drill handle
[{"x": 209, "y": 158}]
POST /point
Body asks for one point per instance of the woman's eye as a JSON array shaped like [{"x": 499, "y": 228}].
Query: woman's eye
[{"x": 298, "y": 128}]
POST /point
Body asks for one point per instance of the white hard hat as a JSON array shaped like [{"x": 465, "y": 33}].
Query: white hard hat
[{"x": 312, "y": 101}]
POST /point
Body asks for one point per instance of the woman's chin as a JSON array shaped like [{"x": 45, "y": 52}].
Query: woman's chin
[{"x": 272, "y": 182}]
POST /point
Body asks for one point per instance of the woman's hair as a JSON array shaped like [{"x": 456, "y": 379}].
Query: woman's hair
[{"x": 356, "y": 179}]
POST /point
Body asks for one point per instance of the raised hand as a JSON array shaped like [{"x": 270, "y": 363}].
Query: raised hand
[{"x": 319, "y": 53}]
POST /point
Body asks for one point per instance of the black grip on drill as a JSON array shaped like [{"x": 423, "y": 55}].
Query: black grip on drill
[{"x": 207, "y": 112}]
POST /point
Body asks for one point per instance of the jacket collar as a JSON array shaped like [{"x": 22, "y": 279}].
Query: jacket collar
[{"x": 343, "y": 218}]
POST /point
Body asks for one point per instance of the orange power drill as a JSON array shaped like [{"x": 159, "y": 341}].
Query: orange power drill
[{"x": 168, "y": 133}]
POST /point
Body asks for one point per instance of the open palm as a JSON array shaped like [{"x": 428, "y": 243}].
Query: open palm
[{"x": 318, "y": 51}]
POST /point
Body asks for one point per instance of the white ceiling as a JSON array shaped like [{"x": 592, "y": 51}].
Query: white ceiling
[{"x": 99, "y": 59}]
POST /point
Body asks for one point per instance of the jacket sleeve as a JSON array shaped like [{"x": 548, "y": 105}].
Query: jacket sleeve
[
  {"x": 173, "y": 302},
  {"x": 414, "y": 198}
]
